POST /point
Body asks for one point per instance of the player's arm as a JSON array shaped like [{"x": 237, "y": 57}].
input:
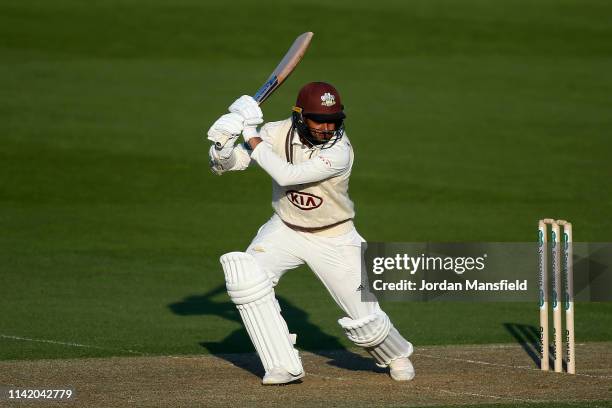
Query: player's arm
[
  {"x": 335, "y": 161},
  {"x": 330, "y": 163}
]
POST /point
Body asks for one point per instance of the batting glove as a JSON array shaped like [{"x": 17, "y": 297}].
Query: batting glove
[
  {"x": 249, "y": 110},
  {"x": 226, "y": 129}
]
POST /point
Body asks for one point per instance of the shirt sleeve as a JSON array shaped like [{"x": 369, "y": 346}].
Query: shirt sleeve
[{"x": 327, "y": 164}]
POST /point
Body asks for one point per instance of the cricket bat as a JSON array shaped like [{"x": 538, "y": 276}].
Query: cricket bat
[{"x": 291, "y": 59}]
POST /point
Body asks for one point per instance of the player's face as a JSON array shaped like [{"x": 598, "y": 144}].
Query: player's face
[{"x": 321, "y": 130}]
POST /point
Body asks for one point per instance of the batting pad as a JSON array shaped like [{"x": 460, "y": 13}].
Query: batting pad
[
  {"x": 251, "y": 290},
  {"x": 378, "y": 336}
]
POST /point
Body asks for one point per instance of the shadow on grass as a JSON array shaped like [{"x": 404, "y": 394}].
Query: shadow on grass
[
  {"x": 528, "y": 337},
  {"x": 310, "y": 337}
]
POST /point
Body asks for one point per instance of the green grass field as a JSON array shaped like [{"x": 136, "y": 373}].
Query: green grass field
[{"x": 470, "y": 120}]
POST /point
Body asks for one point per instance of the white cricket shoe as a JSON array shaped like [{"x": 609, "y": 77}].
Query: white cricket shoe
[
  {"x": 277, "y": 376},
  {"x": 401, "y": 369}
]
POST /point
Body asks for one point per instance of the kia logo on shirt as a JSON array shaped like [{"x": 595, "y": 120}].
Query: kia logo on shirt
[{"x": 304, "y": 201}]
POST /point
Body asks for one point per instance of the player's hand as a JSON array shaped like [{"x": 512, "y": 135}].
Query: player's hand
[
  {"x": 221, "y": 161},
  {"x": 249, "y": 110},
  {"x": 226, "y": 130}
]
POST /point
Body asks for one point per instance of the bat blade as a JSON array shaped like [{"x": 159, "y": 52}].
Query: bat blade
[{"x": 285, "y": 67}]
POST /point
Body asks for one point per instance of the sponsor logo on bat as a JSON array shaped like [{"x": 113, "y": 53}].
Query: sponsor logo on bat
[{"x": 266, "y": 88}]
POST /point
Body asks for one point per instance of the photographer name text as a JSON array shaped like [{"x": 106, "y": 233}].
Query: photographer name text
[{"x": 445, "y": 285}]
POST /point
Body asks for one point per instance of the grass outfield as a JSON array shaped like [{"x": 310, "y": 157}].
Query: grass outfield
[{"x": 470, "y": 120}]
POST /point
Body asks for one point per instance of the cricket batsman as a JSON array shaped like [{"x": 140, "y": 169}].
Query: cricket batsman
[{"x": 309, "y": 158}]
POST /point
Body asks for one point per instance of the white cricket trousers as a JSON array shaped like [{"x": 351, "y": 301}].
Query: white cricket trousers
[{"x": 336, "y": 261}]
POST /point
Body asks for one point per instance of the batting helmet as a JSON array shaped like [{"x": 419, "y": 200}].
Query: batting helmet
[{"x": 320, "y": 102}]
